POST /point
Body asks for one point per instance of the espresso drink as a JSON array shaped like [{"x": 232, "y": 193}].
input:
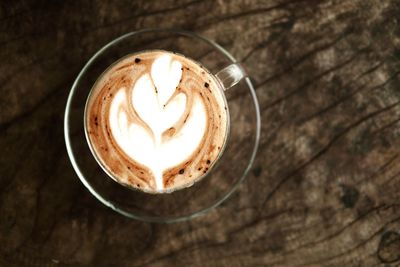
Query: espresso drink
[{"x": 156, "y": 121}]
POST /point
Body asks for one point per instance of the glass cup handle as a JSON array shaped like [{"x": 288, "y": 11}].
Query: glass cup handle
[{"x": 231, "y": 75}]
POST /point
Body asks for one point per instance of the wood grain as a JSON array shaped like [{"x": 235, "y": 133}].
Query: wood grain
[{"x": 325, "y": 187}]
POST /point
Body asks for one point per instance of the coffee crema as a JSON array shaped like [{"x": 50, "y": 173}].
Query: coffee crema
[{"x": 156, "y": 121}]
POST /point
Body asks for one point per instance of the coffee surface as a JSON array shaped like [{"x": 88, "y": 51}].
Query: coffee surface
[{"x": 156, "y": 121}]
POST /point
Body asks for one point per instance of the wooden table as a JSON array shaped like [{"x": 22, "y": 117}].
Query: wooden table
[{"x": 324, "y": 190}]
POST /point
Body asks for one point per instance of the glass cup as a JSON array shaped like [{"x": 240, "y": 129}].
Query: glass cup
[{"x": 234, "y": 162}]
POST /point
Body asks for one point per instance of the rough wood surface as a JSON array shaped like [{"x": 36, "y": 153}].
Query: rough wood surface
[{"x": 325, "y": 187}]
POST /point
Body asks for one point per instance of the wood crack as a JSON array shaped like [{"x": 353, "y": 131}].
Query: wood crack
[{"x": 325, "y": 149}]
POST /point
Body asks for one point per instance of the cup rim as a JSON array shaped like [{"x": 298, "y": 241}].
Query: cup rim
[
  {"x": 108, "y": 203},
  {"x": 103, "y": 165}
]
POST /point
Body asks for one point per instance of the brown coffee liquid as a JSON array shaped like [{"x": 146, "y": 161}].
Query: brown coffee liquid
[{"x": 196, "y": 83}]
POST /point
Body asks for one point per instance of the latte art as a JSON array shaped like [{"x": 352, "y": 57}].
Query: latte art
[{"x": 156, "y": 121}]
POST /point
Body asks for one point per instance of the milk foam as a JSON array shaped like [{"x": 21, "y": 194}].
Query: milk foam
[
  {"x": 157, "y": 102},
  {"x": 156, "y": 121}
]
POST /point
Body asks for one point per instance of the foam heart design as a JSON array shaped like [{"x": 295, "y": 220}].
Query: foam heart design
[{"x": 156, "y": 102}]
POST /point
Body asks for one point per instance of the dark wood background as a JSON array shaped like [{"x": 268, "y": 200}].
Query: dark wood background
[{"x": 325, "y": 187}]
